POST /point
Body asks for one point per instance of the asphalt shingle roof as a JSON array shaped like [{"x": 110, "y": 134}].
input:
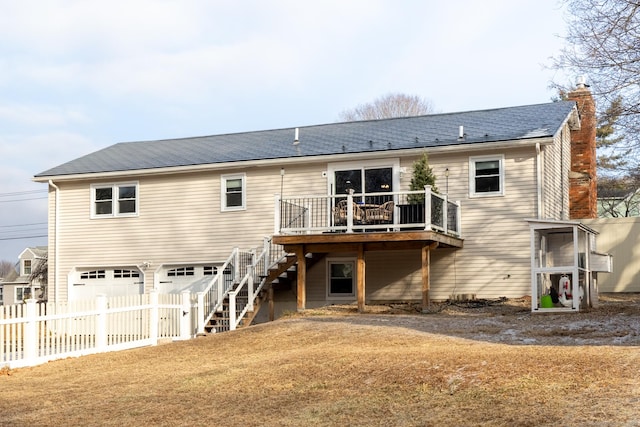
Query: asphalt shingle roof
[{"x": 437, "y": 130}]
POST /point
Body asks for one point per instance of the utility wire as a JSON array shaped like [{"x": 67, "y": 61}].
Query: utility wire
[
  {"x": 24, "y": 237},
  {"x": 22, "y": 193},
  {"x": 22, "y": 200}
]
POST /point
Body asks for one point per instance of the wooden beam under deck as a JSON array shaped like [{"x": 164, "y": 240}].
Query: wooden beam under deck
[
  {"x": 360, "y": 243},
  {"x": 348, "y": 242}
]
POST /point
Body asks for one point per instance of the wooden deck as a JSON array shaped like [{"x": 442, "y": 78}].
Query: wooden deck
[{"x": 360, "y": 243}]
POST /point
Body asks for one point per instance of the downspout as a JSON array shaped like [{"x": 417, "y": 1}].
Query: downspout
[
  {"x": 55, "y": 237},
  {"x": 539, "y": 179}
]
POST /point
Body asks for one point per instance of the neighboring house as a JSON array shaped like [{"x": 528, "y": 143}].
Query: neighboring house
[
  {"x": 165, "y": 214},
  {"x": 618, "y": 203},
  {"x": 17, "y": 287}
]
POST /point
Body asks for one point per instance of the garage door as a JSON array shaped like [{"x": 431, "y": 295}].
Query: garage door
[
  {"x": 192, "y": 278},
  {"x": 110, "y": 282}
]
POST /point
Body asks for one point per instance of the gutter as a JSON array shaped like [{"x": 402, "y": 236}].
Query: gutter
[
  {"x": 539, "y": 179},
  {"x": 55, "y": 237}
]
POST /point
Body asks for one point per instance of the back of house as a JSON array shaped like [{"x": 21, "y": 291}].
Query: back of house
[{"x": 167, "y": 214}]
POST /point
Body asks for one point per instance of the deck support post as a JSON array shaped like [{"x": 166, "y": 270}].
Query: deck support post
[
  {"x": 360, "y": 279},
  {"x": 272, "y": 313},
  {"x": 426, "y": 272},
  {"x": 302, "y": 278}
]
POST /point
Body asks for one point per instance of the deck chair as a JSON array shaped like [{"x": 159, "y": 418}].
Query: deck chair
[
  {"x": 380, "y": 215},
  {"x": 340, "y": 213}
]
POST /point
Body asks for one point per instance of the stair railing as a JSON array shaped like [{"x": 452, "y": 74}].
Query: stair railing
[
  {"x": 209, "y": 301},
  {"x": 257, "y": 272}
]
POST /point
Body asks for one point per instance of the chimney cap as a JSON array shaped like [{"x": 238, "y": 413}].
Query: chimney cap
[{"x": 581, "y": 82}]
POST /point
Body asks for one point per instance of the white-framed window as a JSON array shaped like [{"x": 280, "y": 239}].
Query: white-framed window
[
  {"x": 1, "y": 295},
  {"x": 23, "y": 293},
  {"x": 486, "y": 176},
  {"x": 114, "y": 200},
  {"x": 341, "y": 278},
  {"x": 26, "y": 266},
  {"x": 233, "y": 192}
]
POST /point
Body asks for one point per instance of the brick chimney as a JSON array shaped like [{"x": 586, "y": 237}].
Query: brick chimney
[{"x": 582, "y": 176}]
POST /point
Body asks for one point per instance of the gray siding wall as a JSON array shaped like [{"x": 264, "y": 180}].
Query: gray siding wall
[
  {"x": 621, "y": 238},
  {"x": 556, "y": 158}
]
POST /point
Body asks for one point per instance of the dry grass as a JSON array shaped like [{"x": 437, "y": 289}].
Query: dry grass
[{"x": 331, "y": 367}]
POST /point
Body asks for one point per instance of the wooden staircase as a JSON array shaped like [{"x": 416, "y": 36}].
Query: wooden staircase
[{"x": 281, "y": 276}]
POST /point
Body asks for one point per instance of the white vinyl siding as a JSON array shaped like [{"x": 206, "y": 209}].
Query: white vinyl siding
[
  {"x": 165, "y": 234},
  {"x": 556, "y": 158}
]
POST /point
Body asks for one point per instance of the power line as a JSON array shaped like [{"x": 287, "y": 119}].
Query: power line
[
  {"x": 23, "y": 237},
  {"x": 22, "y": 193},
  {"x": 22, "y": 200},
  {"x": 22, "y": 225}
]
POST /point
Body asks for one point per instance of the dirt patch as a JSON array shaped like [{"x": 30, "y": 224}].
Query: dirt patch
[{"x": 616, "y": 320}]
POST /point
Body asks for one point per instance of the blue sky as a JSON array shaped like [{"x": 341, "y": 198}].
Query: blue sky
[{"x": 77, "y": 76}]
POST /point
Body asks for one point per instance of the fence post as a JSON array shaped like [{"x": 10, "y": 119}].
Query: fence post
[
  {"x": 250, "y": 272},
  {"x": 267, "y": 255},
  {"x": 185, "y": 316},
  {"x": 154, "y": 317},
  {"x": 101, "y": 323},
  {"x": 236, "y": 265},
  {"x": 458, "y": 219},
  {"x": 201, "y": 313},
  {"x": 278, "y": 213},
  {"x": 445, "y": 215},
  {"x": 30, "y": 333},
  {"x": 232, "y": 310},
  {"x": 350, "y": 211},
  {"x": 427, "y": 207}
]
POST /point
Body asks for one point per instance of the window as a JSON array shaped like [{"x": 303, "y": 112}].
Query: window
[
  {"x": 121, "y": 274},
  {"x": 26, "y": 267},
  {"x": 1, "y": 295},
  {"x": 181, "y": 271},
  {"x": 486, "y": 176},
  {"x": 209, "y": 270},
  {"x": 233, "y": 192},
  {"x": 23, "y": 293},
  {"x": 341, "y": 278},
  {"x": 114, "y": 200},
  {"x": 95, "y": 274},
  {"x": 365, "y": 180}
]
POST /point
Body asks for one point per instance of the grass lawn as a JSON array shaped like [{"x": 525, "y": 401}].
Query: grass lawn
[{"x": 329, "y": 370}]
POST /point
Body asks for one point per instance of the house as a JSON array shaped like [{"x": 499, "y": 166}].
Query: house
[
  {"x": 18, "y": 287},
  {"x": 166, "y": 214},
  {"x": 618, "y": 202}
]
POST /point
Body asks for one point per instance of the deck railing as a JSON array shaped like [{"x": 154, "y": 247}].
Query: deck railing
[{"x": 362, "y": 212}]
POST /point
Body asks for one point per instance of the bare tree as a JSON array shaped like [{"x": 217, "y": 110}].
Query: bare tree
[
  {"x": 40, "y": 274},
  {"x": 603, "y": 43},
  {"x": 388, "y": 106},
  {"x": 6, "y": 268}
]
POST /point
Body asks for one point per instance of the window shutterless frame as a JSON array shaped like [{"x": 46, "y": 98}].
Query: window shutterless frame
[
  {"x": 115, "y": 200},
  {"x": 233, "y": 192},
  {"x": 486, "y": 176}
]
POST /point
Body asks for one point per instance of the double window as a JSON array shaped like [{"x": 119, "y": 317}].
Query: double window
[
  {"x": 233, "y": 192},
  {"x": 112, "y": 200},
  {"x": 486, "y": 176}
]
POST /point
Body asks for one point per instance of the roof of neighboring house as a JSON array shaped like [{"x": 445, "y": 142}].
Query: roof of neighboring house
[
  {"x": 436, "y": 130},
  {"x": 37, "y": 251}
]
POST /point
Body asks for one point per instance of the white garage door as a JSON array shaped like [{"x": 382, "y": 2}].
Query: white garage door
[
  {"x": 110, "y": 282},
  {"x": 192, "y": 278}
]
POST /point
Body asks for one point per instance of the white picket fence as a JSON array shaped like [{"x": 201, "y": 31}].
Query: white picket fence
[{"x": 32, "y": 333}]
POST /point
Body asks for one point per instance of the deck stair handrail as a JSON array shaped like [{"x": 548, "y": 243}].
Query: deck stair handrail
[
  {"x": 250, "y": 272},
  {"x": 417, "y": 209}
]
